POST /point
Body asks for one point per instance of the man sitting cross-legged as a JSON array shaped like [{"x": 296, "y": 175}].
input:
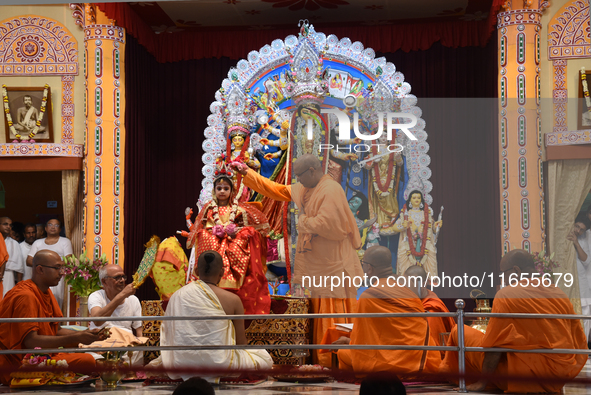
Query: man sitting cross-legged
[
  {"x": 33, "y": 298},
  {"x": 385, "y": 296},
  {"x": 526, "y": 296},
  {"x": 117, "y": 300},
  {"x": 431, "y": 303},
  {"x": 200, "y": 298}
]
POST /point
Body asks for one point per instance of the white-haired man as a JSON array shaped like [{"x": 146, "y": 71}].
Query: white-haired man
[{"x": 115, "y": 300}]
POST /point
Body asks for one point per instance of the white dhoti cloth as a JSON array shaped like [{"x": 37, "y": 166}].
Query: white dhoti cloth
[{"x": 197, "y": 299}]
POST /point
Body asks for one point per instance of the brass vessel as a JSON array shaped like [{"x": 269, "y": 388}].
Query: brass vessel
[
  {"x": 109, "y": 371},
  {"x": 482, "y": 306}
]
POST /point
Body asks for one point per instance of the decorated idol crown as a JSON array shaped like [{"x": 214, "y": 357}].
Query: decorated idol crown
[
  {"x": 307, "y": 82},
  {"x": 239, "y": 109}
]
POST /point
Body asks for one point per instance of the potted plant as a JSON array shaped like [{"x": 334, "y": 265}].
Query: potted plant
[{"x": 82, "y": 275}]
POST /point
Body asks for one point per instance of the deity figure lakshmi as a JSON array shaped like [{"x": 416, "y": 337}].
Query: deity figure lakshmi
[{"x": 417, "y": 230}]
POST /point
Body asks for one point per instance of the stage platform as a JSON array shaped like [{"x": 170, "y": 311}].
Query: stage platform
[{"x": 279, "y": 388}]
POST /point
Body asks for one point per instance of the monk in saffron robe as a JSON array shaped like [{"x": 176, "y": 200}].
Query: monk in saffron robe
[
  {"x": 431, "y": 303},
  {"x": 328, "y": 237},
  {"x": 3, "y": 260},
  {"x": 525, "y": 334},
  {"x": 33, "y": 298},
  {"x": 386, "y": 296}
]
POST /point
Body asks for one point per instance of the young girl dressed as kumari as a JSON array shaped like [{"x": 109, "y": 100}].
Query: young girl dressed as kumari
[{"x": 237, "y": 231}]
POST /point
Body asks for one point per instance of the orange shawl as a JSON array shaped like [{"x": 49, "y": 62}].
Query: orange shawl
[
  {"x": 25, "y": 300},
  {"x": 437, "y": 325},
  {"x": 327, "y": 233},
  {"x": 527, "y": 334},
  {"x": 391, "y": 331}
]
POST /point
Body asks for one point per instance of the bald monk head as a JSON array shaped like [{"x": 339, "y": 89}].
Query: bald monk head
[
  {"x": 517, "y": 261},
  {"x": 308, "y": 170},
  {"x": 210, "y": 267},
  {"x": 377, "y": 262},
  {"x": 48, "y": 269},
  {"x": 416, "y": 280}
]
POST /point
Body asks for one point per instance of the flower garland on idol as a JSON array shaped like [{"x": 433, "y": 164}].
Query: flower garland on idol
[
  {"x": 585, "y": 89},
  {"x": 411, "y": 241},
  {"x": 11, "y": 123}
]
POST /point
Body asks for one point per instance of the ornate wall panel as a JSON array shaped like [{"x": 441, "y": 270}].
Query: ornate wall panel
[
  {"x": 34, "y": 45},
  {"x": 569, "y": 33}
]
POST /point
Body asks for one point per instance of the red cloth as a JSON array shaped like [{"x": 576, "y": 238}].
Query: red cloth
[
  {"x": 244, "y": 255},
  {"x": 25, "y": 300},
  {"x": 409, "y": 36}
]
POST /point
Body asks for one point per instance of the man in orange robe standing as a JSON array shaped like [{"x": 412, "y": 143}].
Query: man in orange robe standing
[
  {"x": 33, "y": 298},
  {"x": 526, "y": 296},
  {"x": 386, "y": 296},
  {"x": 3, "y": 260},
  {"x": 431, "y": 303},
  {"x": 328, "y": 237}
]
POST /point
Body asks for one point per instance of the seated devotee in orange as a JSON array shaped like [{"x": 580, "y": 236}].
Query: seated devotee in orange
[
  {"x": 33, "y": 299},
  {"x": 385, "y": 296},
  {"x": 432, "y": 303},
  {"x": 524, "y": 334},
  {"x": 3, "y": 260},
  {"x": 328, "y": 237}
]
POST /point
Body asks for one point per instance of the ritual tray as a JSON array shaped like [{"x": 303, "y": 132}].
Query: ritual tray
[{"x": 58, "y": 386}]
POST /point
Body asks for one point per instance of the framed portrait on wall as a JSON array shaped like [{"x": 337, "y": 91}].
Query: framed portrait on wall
[
  {"x": 27, "y": 106},
  {"x": 584, "y": 118}
]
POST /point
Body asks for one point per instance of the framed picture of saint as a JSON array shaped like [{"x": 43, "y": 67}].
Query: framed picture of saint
[{"x": 28, "y": 114}]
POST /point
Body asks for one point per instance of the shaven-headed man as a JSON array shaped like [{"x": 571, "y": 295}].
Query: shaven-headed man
[
  {"x": 386, "y": 296},
  {"x": 526, "y": 296},
  {"x": 33, "y": 298},
  {"x": 200, "y": 298}
]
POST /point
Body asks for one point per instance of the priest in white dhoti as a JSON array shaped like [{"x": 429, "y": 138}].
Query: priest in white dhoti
[{"x": 200, "y": 298}]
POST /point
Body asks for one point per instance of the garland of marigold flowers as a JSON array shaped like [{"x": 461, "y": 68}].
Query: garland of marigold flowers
[
  {"x": 9, "y": 117},
  {"x": 411, "y": 243},
  {"x": 585, "y": 89},
  {"x": 385, "y": 190}
]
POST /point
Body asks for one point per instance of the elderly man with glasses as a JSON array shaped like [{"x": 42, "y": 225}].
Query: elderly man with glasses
[{"x": 116, "y": 299}]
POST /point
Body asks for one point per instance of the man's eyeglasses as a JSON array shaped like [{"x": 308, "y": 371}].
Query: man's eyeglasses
[
  {"x": 53, "y": 225},
  {"x": 60, "y": 269},
  {"x": 118, "y": 278}
]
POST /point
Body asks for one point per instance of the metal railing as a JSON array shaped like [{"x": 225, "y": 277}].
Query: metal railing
[{"x": 459, "y": 315}]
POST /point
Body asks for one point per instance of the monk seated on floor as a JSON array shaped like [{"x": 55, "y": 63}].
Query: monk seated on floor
[
  {"x": 432, "y": 304},
  {"x": 523, "y": 334},
  {"x": 201, "y": 298},
  {"x": 386, "y": 296},
  {"x": 33, "y": 298}
]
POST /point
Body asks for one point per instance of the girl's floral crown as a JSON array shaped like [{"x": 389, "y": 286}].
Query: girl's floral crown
[{"x": 222, "y": 170}]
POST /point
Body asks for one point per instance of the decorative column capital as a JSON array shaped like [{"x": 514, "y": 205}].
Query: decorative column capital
[
  {"x": 104, "y": 32},
  {"x": 519, "y": 17}
]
